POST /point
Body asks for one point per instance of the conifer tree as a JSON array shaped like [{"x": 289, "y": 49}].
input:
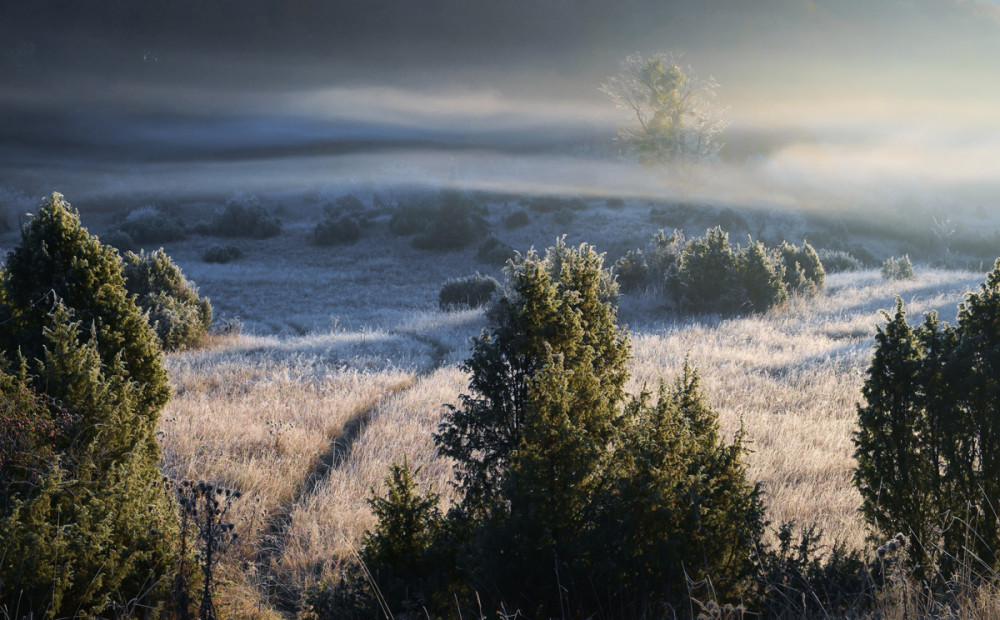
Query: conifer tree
[
  {"x": 95, "y": 530},
  {"x": 177, "y": 314}
]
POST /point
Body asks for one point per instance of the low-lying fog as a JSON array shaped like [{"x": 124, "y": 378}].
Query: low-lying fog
[{"x": 830, "y": 104}]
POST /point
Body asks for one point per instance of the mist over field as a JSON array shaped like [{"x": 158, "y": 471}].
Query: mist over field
[{"x": 830, "y": 104}]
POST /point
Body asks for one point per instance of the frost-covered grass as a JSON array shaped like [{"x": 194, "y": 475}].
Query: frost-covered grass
[{"x": 308, "y": 425}]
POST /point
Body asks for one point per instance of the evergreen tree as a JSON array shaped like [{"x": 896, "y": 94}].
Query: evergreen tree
[
  {"x": 804, "y": 271},
  {"x": 928, "y": 440},
  {"x": 706, "y": 273},
  {"x": 397, "y": 551},
  {"x": 177, "y": 314},
  {"x": 95, "y": 529},
  {"x": 761, "y": 274}
]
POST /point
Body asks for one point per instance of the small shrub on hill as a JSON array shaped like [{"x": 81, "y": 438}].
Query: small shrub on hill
[
  {"x": 804, "y": 271},
  {"x": 836, "y": 261},
  {"x": 467, "y": 292},
  {"x": 615, "y": 204},
  {"x": 494, "y": 252},
  {"x": 348, "y": 204},
  {"x": 517, "y": 219},
  {"x": 563, "y": 217},
  {"x": 897, "y": 268},
  {"x": 151, "y": 225},
  {"x": 222, "y": 254},
  {"x": 177, "y": 314},
  {"x": 455, "y": 222},
  {"x": 551, "y": 204},
  {"x": 632, "y": 271},
  {"x": 244, "y": 216},
  {"x": 337, "y": 231}
]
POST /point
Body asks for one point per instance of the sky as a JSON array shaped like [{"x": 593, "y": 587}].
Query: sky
[{"x": 830, "y": 103}]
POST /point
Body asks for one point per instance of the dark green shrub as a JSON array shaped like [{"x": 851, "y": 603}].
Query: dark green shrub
[
  {"x": 494, "y": 252},
  {"x": 551, "y": 204},
  {"x": 467, "y": 292},
  {"x": 348, "y": 204},
  {"x": 222, "y": 254},
  {"x": 454, "y": 223},
  {"x": 804, "y": 272},
  {"x": 517, "y": 219},
  {"x": 632, "y": 271},
  {"x": 761, "y": 276},
  {"x": 563, "y": 483},
  {"x": 177, "y": 314},
  {"x": 836, "y": 261},
  {"x": 412, "y": 218},
  {"x": 563, "y": 217},
  {"x": 796, "y": 580},
  {"x": 707, "y": 274},
  {"x": 151, "y": 225},
  {"x": 339, "y": 231},
  {"x": 244, "y": 216},
  {"x": 408, "y": 525},
  {"x": 95, "y": 530},
  {"x": 897, "y": 268},
  {"x": 928, "y": 455}
]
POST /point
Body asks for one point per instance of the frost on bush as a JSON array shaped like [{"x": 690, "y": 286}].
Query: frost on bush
[
  {"x": 151, "y": 225},
  {"x": 177, "y": 314},
  {"x": 836, "y": 261},
  {"x": 244, "y": 216},
  {"x": 897, "y": 268},
  {"x": 337, "y": 231},
  {"x": 517, "y": 219},
  {"x": 450, "y": 221},
  {"x": 494, "y": 252},
  {"x": 467, "y": 292},
  {"x": 804, "y": 271},
  {"x": 222, "y": 254}
]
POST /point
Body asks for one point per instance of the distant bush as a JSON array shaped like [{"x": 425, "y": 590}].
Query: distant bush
[
  {"x": 804, "y": 271},
  {"x": 708, "y": 274},
  {"x": 897, "y": 268},
  {"x": 151, "y": 225},
  {"x": 563, "y": 217},
  {"x": 451, "y": 221},
  {"x": 467, "y": 292},
  {"x": 551, "y": 204},
  {"x": 337, "y": 231},
  {"x": 616, "y": 204},
  {"x": 836, "y": 261},
  {"x": 348, "y": 204},
  {"x": 120, "y": 240},
  {"x": 494, "y": 252},
  {"x": 632, "y": 271},
  {"x": 244, "y": 216},
  {"x": 176, "y": 313},
  {"x": 517, "y": 219},
  {"x": 222, "y": 254}
]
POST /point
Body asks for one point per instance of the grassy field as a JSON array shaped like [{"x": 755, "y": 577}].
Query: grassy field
[
  {"x": 307, "y": 425},
  {"x": 344, "y": 365}
]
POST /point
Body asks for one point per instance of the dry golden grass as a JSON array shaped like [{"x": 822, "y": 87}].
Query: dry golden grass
[
  {"x": 793, "y": 378},
  {"x": 264, "y": 414}
]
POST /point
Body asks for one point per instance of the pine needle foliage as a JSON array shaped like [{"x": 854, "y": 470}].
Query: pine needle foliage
[
  {"x": 928, "y": 445},
  {"x": 90, "y": 535},
  {"x": 573, "y": 497}
]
